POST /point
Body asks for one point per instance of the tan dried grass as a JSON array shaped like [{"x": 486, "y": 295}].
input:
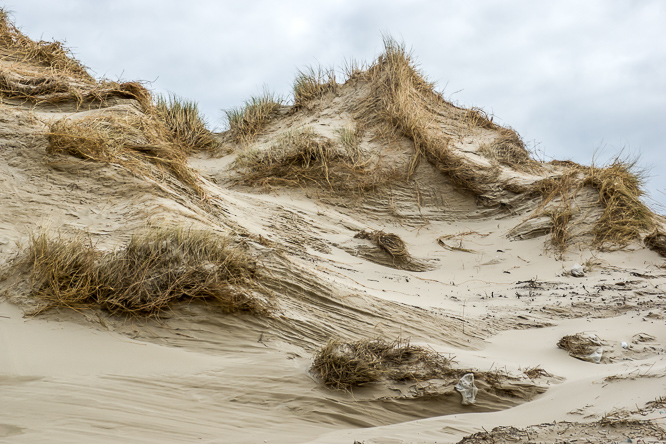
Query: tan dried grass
[
  {"x": 344, "y": 365},
  {"x": 157, "y": 268},
  {"x": 135, "y": 141},
  {"x": 247, "y": 121},
  {"x": 185, "y": 123},
  {"x": 313, "y": 83}
]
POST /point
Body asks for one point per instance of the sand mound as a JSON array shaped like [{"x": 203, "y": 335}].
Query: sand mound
[{"x": 372, "y": 208}]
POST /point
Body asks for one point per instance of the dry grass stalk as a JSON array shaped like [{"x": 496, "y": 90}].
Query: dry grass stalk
[
  {"x": 52, "y": 55},
  {"x": 185, "y": 123},
  {"x": 536, "y": 372},
  {"x": 303, "y": 157},
  {"x": 344, "y": 365},
  {"x": 313, "y": 83},
  {"x": 247, "y": 121},
  {"x": 155, "y": 269},
  {"x": 137, "y": 142},
  {"x": 389, "y": 242}
]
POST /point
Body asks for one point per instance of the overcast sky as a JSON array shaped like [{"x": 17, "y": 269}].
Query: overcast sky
[{"x": 573, "y": 77}]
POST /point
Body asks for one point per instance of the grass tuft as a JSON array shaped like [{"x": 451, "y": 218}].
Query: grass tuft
[
  {"x": 389, "y": 242},
  {"x": 313, "y": 83},
  {"x": 508, "y": 149},
  {"x": 185, "y": 122},
  {"x": 247, "y": 121},
  {"x": 344, "y": 365},
  {"x": 155, "y": 269}
]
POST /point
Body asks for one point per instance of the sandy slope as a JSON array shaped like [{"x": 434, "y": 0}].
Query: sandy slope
[{"x": 196, "y": 375}]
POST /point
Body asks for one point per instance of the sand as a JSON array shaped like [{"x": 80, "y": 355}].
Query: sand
[{"x": 472, "y": 289}]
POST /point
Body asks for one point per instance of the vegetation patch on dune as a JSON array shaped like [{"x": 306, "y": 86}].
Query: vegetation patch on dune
[
  {"x": 303, "y": 157},
  {"x": 343, "y": 365},
  {"x": 246, "y": 122},
  {"x": 312, "y": 84},
  {"x": 185, "y": 123},
  {"x": 136, "y": 141},
  {"x": 156, "y": 268}
]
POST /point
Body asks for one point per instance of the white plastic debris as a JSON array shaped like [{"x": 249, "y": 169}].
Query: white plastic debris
[
  {"x": 467, "y": 389},
  {"x": 577, "y": 271},
  {"x": 595, "y": 356},
  {"x": 624, "y": 344}
]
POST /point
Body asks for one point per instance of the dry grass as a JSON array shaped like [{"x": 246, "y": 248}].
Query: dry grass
[
  {"x": 656, "y": 241},
  {"x": 300, "y": 158},
  {"x": 135, "y": 141},
  {"x": 536, "y": 372},
  {"x": 619, "y": 184},
  {"x": 401, "y": 99},
  {"x": 508, "y": 149},
  {"x": 389, "y": 242},
  {"x": 53, "y": 55},
  {"x": 343, "y": 365},
  {"x": 313, "y": 83},
  {"x": 579, "y": 345},
  {"x": 247, "y": 121},
  {"x": 185, "y": 123},
  {"x": 155, "y": 269}
]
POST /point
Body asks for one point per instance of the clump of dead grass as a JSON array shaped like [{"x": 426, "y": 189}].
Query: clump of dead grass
[
  {"x": 246, "y": 122},
  {"x": 185, "y": 123},
  {"x": 579, "y": 345},
  {"x": 135, "y": 141},
  {"x": 656, "y": 241},
  {"x": 536, "y": 372},
  {"x": 157, "y": 268},
  {"x": 303, "y": 157},
  {"x": 388, "y": 242},
  {"x": 53, "y": 55},
  {"x": 313, "y": 83},
  {"x": 619, "y": 184},
  {"x": 344, "y": 365},
  {"x": 509, "y": 149}
]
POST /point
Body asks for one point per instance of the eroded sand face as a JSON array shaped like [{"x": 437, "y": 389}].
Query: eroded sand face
[{"x": 483, "y": 285}]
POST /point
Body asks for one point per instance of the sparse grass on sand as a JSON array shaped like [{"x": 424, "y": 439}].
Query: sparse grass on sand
[
  {"x": 303, "y": 157},
  {"x": 185, "y": 123},
  {"x": 136, "y": 141},
  {"x": 158, "y": 267},
  {"x": 343, "y": 365},
  {"x": 509, "y": 149},
  {"x": 247, "y": 121},
  {"x": 579, "y": 345},
  {"x": 388, "y": 242}
]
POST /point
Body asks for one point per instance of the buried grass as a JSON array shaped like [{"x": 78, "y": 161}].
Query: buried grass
[
  {"x": 246, "y": 122},
  {"x": 135, "y": 141},
  {"x": 509, "y": 149},
  {"x": 388, "y": 242},
  {"x": 156, "y": 268},
  {"x": 303, "y": 157},
  {"x": 343, "y": 365}
]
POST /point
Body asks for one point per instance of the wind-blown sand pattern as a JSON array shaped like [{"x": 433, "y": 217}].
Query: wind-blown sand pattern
[{"x": 161, "y": 283}]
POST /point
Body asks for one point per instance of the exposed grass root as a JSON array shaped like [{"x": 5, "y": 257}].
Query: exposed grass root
[
  {"x": 343, "y": 365},
  {"x": 157, "y": 268},
  {"x": 248, "y": 120},
  {"x": 138, "y": 142},
  {"x": 305, "y": 158}
]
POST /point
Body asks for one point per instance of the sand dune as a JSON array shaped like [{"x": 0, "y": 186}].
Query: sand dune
[{"x": 371, "y": 208}]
